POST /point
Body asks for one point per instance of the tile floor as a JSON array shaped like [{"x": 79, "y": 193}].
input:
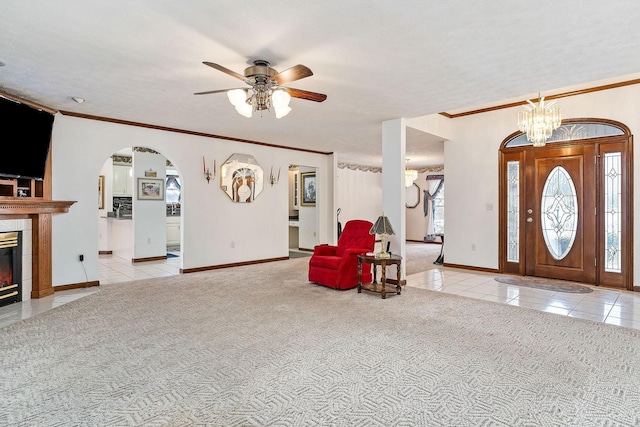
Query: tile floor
[
  {"x": 610, "y": 306},
  {"x": 606, "y": 305},
  {"x": 113, "y": 269}
]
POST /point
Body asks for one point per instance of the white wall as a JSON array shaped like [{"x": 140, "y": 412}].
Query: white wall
[
  {"x": 210, "y": 221},
  {"x": 416, "y": 221},
  {"x": 308, "y": 218},
  {"x": 104, "y": 224},
  {"x": 358, "y": 194},
  {"x": 471, "y": 162},
  {"x": 149, "y": 216}
]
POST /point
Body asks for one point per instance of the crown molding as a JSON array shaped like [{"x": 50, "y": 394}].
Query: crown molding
[
  {"x": 27, "y": 102},
  {"x": 550, "y": 97},
  {"x": 186, "y": 132}
]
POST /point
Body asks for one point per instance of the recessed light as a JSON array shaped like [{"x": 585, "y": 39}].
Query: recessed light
[{"x": 78, "y": 99}]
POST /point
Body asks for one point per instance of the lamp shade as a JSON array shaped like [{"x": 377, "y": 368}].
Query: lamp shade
[
  {"x": 280, "y": 100},
  {"x": 382, "y": 226},
  {"x": 237, "y": 97},
  {"x": 244, "y": 109}
]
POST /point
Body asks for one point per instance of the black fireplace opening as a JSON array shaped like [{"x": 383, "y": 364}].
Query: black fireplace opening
[{"x": 10, "y": 267}]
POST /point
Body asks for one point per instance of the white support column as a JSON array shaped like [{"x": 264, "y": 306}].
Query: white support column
[{"x": 394, "y": 145}]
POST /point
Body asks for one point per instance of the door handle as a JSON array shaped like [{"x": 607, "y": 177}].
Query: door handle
[
  {"x": 529, "y": 219},
  {"x": 529, "y": 211}
]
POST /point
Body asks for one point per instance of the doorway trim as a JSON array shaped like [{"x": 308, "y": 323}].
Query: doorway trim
[{"x": 624, "y": 143}]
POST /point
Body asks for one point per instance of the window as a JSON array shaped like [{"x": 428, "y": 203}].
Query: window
[
  {"x": 172, "y": 189},
  {"x": 438, "y": 212}
]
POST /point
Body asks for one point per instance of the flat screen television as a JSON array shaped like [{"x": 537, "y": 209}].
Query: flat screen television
[{"x": 25, "y": 136}]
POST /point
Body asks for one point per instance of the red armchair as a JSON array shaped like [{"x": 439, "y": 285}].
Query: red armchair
[{"x": 337, "y": 266}]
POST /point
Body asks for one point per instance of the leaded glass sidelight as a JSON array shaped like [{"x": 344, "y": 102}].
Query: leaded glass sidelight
[
  {"x": 612, "y": 212},
  {"x": 513, "y": 211},
  {"x": 559, "y": 213}
]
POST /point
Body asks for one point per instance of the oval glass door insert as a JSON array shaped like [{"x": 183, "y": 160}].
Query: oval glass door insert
[{"x": 559, "y": 212}]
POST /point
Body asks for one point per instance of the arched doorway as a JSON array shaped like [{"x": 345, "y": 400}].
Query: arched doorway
[
  {"x": 143, "y": 181},
  {"x": 565, "y": 208}
]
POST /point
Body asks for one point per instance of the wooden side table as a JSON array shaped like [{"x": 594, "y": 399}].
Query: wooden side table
[{"x": 382, "y": 287}]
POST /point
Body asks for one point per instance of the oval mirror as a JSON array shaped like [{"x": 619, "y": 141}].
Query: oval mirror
[{"x": 242, "y": 178}]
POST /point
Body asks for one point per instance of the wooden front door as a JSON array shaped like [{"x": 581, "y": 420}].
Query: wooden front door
[{"x": 560, "y": 213}]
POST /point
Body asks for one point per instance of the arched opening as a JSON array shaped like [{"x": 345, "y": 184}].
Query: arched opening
[
  {"x": 565, "y": 208},
  {"x": 139, "y": 214}
]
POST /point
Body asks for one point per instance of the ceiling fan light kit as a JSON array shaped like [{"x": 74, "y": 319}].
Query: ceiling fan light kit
[{"x": 266, "y": 88}]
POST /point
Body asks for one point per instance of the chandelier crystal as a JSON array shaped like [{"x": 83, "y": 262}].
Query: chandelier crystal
[{"x": 539, "y": 120}]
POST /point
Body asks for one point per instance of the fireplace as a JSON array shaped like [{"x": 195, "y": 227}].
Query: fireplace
[{"x": 10, "y": 267}]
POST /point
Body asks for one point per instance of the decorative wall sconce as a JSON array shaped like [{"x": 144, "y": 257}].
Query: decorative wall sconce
[
  {"x": 207, "y": 172},
  {"x": 272, "y": 178}
]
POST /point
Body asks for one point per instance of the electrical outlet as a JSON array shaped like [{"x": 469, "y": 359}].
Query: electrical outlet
[{"x": 81, "y": 258}]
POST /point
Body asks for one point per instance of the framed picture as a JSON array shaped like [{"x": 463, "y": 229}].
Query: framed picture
[
  {"x": 150, "y": 189},
  {"x": 308, "y": 189},
  {"x": 101, "y": 192}
]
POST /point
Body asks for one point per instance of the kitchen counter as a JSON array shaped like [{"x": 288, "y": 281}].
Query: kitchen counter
[{"x": 112, "y": 215}]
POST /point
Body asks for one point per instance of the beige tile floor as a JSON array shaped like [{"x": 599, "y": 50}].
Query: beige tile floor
[{"x": 605, "y": 305}]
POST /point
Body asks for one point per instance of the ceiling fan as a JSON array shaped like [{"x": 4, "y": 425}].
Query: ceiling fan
[{"x": 266, "y": 88}]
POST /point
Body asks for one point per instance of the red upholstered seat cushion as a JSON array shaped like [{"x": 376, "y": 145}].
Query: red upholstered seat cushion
[{"x": 332, "y": 262}]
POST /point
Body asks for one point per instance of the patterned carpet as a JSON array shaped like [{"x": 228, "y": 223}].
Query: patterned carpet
[
  {"x": 420, "y": 257},
  {"x": 258, "y": 345}
]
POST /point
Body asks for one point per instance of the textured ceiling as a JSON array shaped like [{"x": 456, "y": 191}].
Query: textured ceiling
[{"x": 376, "y": 60}]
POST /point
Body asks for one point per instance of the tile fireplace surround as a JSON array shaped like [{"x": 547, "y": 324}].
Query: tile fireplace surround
[{"x": 24, "y": 225}]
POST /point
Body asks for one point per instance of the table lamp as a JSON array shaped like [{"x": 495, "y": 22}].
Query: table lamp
[{"x": 384, "y": 229}]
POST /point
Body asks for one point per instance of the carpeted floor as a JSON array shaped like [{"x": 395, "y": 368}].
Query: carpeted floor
[
  {"x": 420, "y": 257},
  {"x": 258, "y": 345},
  {"x": 299, "y": 254}
]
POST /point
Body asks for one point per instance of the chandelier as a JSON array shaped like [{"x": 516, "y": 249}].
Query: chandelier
[
  {"x": 410, "y": 175},
  {"x": 261, "y": 98},
  {"x": 538, "y": 121}
]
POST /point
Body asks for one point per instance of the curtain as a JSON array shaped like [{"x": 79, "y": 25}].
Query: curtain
[{"x": 434, "y": 185}]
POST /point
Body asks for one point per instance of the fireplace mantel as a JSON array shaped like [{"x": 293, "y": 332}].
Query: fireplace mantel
[
  {"x": 40, "y": 212},
  {"x": 33, "y": 206}
]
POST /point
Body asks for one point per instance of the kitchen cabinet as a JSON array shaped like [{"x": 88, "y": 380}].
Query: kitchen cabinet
[
  {"x": 122, "y": 180},
  {"x": 173, "y": 230}
]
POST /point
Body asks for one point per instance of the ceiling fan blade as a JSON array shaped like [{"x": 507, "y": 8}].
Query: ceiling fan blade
[
  {"x": 224, "y": 70},
  {"x": 305, "y": 94},
  {"x": 218, "y": 91},
  {"x": 294, "y": 73}
]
